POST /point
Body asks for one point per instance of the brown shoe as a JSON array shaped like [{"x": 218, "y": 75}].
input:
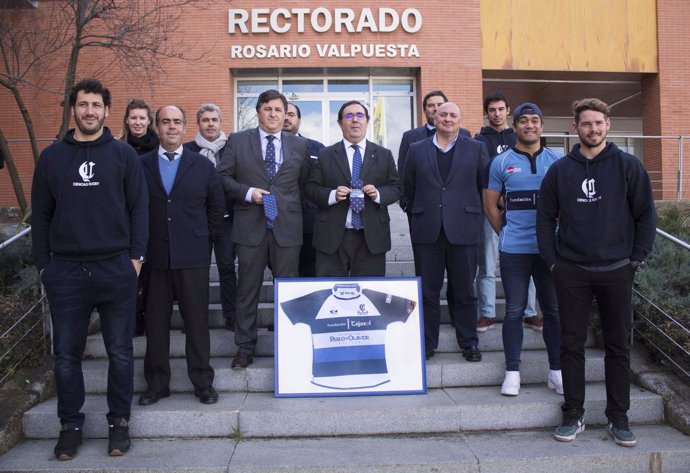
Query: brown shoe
[
  {"x": 484, "y": 323},
  {"x": 535, "y": 323},
  {"x": 242, "y": 360}
]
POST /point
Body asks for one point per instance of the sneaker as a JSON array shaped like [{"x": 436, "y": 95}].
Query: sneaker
[
  {"x": 621, "y": 433},
  {"x": 511, "y": 384},
  {"x": 534, "y": 322},
  {"x": 484, "y": 323},
  {"x": 69, "y": 441},
  {"x": 555, "y": 381},
  {"x": 118, "y": 438},
  {"x": 569, "y": 428}
]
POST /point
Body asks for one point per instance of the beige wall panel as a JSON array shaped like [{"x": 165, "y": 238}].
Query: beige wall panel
[{"x": 567, "y": 35}]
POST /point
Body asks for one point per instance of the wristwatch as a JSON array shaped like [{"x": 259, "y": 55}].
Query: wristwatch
[{"x": 637, "y": 265}]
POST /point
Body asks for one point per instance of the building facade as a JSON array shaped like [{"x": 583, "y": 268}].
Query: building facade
[{"x": 633, "y": 54}]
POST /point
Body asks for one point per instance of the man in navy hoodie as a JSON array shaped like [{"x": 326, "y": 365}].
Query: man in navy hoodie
[
  {"x": 90, "y": 230},
  {"x": 596, "y": 224}
]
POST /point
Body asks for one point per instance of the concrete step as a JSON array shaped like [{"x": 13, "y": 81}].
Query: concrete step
[
  {"x": 442, "y": 371},
  {"x": 262, "y": 415},
  {"x": 267, "y": 291},
  {"x": 265, "y": 314},
  {"x": 659, "y": 448},
  {"x": 223, "y": 342}
]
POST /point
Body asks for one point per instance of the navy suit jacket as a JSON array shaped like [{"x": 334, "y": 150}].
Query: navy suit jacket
[
  {"x": 331, "y": 170},
  {"x": 412, "y": 136},
  {"x": 181, "y": 224},
  {"x": 454, "y": 203}
]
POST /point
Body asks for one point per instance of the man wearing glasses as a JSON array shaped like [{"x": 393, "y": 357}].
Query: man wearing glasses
[{"x": 353, "y": 182}]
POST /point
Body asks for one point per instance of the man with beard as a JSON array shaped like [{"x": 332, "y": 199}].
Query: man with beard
[
  {"x": 90, "y": 228},
  {"x": 444, "y": 177},
  {"x": 210, "y": 141},
  {"x": 596, "y": 224},
  {"x": 307, "y": 254}
]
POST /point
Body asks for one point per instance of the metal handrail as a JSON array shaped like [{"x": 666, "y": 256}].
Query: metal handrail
[
  {"x": 660, "y": 331},
  {"x": 14, "y": 238}
]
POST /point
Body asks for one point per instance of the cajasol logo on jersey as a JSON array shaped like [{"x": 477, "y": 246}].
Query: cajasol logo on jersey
[
  {"x": 589, "y": 190},
  {"x": 513, "y": 169},
  {"x": 86, "y": 173}
]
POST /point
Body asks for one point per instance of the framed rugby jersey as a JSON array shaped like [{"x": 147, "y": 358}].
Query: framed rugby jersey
[{"x": 342, "y": 337}]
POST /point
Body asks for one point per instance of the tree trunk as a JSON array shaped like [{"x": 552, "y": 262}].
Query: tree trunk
[{"x": 14, "y": 175}]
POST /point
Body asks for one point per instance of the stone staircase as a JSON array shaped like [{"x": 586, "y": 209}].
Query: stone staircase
[{"x": 462, "y": 424}]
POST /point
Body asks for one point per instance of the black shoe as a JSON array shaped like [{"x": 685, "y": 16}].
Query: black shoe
[
  {"x": 428, "y": 352},
  {"x": 242, "y": 360},
  {"x": 270, "y": 327},
  {"x": 118, "y": 438},
  {"x": 230, "y": 324},
  {"x": 152, "y": 396},
  {"x": 206, "y": 395},
  {"x": 69, "y": 441},
  {"x": 472, "y": 353}
]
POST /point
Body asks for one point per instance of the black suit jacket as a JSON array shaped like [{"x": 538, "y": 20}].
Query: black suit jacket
[
  {"x": 332, "y": 170},
  {"x": 181, "y": 224},
  {"x": 454, "y": 203},
  {"x": 242, "y": 167},
  {"x": 309, "y": 208},
  {"x": 412, "y": 136}
]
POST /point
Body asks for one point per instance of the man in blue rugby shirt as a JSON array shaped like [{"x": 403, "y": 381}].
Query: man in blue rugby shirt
[{"x": 516, "y": 176}]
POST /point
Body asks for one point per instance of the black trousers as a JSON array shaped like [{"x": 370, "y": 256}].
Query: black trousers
[
  {"x": 460, "y": 263},
  {"x": 351, "y": 259},
  {"x": 190, "y": 288},
  {"x": 576, "y": 289}
]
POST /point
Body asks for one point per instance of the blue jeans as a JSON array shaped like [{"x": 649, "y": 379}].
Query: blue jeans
[
  {"x": 74, "y": 289},
  {"x": 516, "y": 270},
  {"x": 224, "y": 249},
  {"x": 486, "y": 276}
]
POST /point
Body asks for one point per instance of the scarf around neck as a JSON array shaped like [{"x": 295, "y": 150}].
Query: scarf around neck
[{"x": 210, "y": 149}]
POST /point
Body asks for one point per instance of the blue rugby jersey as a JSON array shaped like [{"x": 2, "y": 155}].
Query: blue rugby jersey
[
  {"x": 518, "y": 176},
  {"x": 348, "y": 327}
]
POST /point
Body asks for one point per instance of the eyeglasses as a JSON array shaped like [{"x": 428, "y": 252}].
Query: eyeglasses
[{"x": 350, "y": 116}]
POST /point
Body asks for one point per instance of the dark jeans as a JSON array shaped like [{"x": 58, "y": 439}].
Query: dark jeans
[
  {"x": 576, "y": 289},
  {"x": 516, "y": 270},
  {"x": 460, "y": 263},
  {"x": 74, "y": 289},
  {"x": 224, "y": 249}
]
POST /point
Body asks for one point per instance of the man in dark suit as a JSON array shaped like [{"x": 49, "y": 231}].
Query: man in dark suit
[
  {"x": 263, "y": 169},
  {"x": 443, "y": 182},
  {"x": 307, "y": 255},
  {"x": 353, "y": 182},
  {"x": 186, "y": 206},
  {"x": 210, "y": 141}
]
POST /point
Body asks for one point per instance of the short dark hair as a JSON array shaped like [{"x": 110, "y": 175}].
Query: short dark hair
[
  {"x": 267, "y": 96},
  {"x": 434, "y": 93},
  {"x": 299, "y": 112},
  {"x": 494, "y": 97},
  {"x": 583, "y": 105},
  {"x": 352, "y": 102},
  {"x": 90, "y": 86},
  {"x": 158, "y": 113}
]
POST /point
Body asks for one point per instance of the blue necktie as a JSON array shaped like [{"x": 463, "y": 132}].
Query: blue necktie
[
  {"x": 356, "y": 203},
  {"x": 270, "y": 209},
  {"x": 170, "y": 155},
  {"x": 270, "y": 160}
]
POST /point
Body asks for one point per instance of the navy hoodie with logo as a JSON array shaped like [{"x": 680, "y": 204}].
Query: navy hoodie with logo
[
  {"x": 596, "y": 212},
  {"x": 89, "y": 201},
  {"x": 496, "y": 141}
]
